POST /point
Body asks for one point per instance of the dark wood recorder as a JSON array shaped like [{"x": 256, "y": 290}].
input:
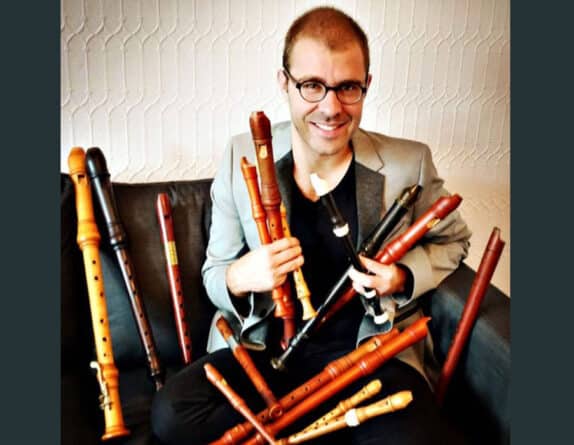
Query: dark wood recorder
[
  {"x": 480, "y": 284},
  {"x": 102, "y": 186},
  {"x": 165, "y": 221}
]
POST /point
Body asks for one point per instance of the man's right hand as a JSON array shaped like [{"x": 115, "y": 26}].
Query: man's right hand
[{"x": 265, "y": 268}]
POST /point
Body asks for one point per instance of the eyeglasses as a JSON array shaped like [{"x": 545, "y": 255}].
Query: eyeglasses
[{"x": 314, "y": 91}]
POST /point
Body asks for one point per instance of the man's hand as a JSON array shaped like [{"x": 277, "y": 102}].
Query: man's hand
[
  {"x": 385, "y": 280},
  {"x": 264, "y": 268}
]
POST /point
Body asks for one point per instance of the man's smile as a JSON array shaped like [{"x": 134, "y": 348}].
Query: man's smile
[{"x": 331, "y": 129}]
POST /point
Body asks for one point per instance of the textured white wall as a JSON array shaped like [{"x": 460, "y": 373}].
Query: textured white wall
[{"x": 160, "y": 85}]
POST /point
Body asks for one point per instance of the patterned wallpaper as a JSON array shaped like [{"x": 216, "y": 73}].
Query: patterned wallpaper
[{"x": 160, "y": 85}]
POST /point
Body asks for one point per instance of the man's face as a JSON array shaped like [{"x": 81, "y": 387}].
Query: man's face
[{"x": 325, "y": 128}]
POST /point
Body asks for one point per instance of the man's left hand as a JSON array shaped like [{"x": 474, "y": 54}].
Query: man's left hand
[{"x": 384, "y": 279}]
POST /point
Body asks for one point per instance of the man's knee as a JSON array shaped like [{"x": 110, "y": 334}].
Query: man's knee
[{"x": 166, "y": 423}]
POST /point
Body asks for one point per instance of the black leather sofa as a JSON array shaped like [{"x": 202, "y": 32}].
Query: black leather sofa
[{"x": 477, "y": 403}]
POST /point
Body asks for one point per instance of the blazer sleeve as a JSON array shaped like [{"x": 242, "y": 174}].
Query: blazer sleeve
[
  {"x": 226, "y": 238},
  {"x": 442, "y": 249}
]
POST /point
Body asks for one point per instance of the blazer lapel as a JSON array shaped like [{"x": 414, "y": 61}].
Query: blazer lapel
[
  {"x": 370, "y": 206},
  {"x": 369, "y": 184}
]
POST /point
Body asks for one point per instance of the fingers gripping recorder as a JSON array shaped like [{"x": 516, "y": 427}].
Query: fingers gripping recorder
[
  {"x": 88, "y": 241},
  {"x": 341, "y": 231},
  {"x": 401, "y": 244}
]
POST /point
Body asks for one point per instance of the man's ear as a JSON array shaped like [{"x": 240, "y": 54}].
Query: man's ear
[
  {"x": 369, "y": 78},
  {"x": 282, "y": 80}
]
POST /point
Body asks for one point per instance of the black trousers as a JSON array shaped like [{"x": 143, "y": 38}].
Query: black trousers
[{"x": 189, "y": 410}]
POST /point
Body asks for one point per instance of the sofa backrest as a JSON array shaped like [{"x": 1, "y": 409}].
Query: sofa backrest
[{"x": 191, "y": 206}]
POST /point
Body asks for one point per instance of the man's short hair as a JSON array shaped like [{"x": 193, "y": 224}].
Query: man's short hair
[{"x": 329, "y": 25}]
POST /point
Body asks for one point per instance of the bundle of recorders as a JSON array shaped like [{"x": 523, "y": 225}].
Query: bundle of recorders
[
  {"x": 336, "y": 376},
  {"x": 88, "y": 171},
  {"x": 266, "y": 209},
  {"x": 340, "y": 373}
]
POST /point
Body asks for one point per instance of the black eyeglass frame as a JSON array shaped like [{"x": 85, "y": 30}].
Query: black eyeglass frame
[{"x": 336, "y": 89}]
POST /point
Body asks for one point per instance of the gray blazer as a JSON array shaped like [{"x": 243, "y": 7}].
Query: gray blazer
[{"x": 384, "y": 167}]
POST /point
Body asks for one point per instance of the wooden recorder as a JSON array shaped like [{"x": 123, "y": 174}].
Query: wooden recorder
[{"x": 88, "y": 240}]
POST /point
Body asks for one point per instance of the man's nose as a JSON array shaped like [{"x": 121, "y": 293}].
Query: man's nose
[{"x": 331, "y": 105}]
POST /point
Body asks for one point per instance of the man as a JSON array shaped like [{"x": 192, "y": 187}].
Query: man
[{"x": 324, "y": 79}]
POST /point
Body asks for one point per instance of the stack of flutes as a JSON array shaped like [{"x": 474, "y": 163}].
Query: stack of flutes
[{"x": 335, "y": 377}]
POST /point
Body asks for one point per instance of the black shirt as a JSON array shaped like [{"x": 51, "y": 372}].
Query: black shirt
[{"x": 325, "y": 256}]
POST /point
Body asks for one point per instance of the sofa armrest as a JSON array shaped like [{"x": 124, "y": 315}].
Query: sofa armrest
[{"x": 478, "y": 394}]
